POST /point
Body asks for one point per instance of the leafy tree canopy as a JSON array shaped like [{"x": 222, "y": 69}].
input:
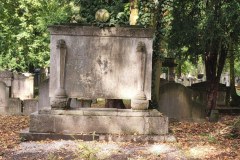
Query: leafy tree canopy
[{"x": 24, "y": 39}]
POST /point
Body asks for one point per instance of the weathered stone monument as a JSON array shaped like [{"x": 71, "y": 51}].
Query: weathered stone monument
[
  {"x": 176, "y": 101},
  {"x": 22, "y": 86},
  {"x": 4, "y": 96},
  {"x": 15, "y": 89},
  {"x": 89, "y": 62}
]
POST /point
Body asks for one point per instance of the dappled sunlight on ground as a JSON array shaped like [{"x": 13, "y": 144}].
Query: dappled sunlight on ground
[
  {"x": 201, "y": 151},
  {"x": 160, "y": 149},
  {"x": 202, "y": 140}
]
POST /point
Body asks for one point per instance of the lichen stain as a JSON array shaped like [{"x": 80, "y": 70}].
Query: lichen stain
[{"x": 104, "y": 65}]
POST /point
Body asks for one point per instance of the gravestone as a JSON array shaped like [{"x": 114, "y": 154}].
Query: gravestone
[
  {"x": 23, "y": 86},
  {"x": 4, "y": 96},
  {"x": 6, "y": 77},
  {"x": 176, "y": 102},
  {"x": 29, "y": 106},
  {"x": 15, "y": 106},
  {"x": 88, "y": 62},
  {"x": 200, "y": 94}
]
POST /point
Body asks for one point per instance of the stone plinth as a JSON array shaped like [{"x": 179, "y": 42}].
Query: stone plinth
[{"x": 102, "y": 121}]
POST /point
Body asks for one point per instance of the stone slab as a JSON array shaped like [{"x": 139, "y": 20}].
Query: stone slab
[
  {"x": 30, "y": 106},
  {"x": 30, "y": 136},
  {"x": 101, "y": 62},
  {"x": 102, "y": 122},
  {"x": 14, "y": 106},
  {"x": 104, "y": 112}
]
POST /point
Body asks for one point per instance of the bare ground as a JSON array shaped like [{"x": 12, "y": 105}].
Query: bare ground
[{"x": 202, "y": 140}]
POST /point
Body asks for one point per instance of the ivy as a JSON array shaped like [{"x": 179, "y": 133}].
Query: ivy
[{"x": 119, "y": 12}]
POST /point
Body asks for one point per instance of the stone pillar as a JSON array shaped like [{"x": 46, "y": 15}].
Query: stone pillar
[
  {"x": 59, "y": 101},
  {"x": 140, "y": 102}
]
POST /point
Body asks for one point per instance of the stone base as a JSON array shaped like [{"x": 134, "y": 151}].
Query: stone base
[
  {"x": 139, "y": 104},
  {"x": 99, "y": 121},
  {"x": 30, "y": 136},
  {"x": 58, "y": 102}
]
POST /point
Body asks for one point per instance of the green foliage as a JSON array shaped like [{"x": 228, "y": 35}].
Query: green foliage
[
  {"x": 119, "y": 12},
  {"x": 146, "y": 12},
  {"x": 197, "y": 23},
  {"x": 86, "y": 152},
  {"x": 24, "y": 39}
]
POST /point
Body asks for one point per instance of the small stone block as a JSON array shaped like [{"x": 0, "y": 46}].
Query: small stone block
[
  {"x": 139, "y": 104},
  {"x": 58, "y": 103}
]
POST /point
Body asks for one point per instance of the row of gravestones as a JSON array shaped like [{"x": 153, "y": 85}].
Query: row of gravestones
[
  {"x": 188, "y": 103},
  {"x": 17, "y": 93}
]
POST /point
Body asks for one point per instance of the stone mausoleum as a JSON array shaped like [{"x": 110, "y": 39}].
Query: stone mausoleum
[{"x": 89, "y": 62}]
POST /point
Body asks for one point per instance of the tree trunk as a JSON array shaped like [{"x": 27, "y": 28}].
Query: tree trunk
[
  {"x": 235, "y": 98},
  {"x": 215, "y": 58}
]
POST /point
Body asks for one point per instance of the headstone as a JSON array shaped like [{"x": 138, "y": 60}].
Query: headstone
[
  {"x": 30, "y": 106},
  {"x": 23, "y": 86},
  {"x": 15, "y": 106},
  {"x": 3, "y": 98},
  {"x": 176, "y": 102},
  {"x": 214, "y": 116},
  {"x": 6, "y": 76},
  {"x": 201, "y": 96}
]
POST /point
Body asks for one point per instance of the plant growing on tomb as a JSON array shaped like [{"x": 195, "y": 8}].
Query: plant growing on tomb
[{"x": 119, "y": 12}]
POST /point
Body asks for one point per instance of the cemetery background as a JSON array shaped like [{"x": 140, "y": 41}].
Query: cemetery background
[{"x": 210, "y": 137}]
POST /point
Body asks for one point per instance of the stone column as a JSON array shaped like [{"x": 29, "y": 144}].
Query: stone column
[
  {"x": 59, "y": 101},
  {"x": 140, "y": 102}
]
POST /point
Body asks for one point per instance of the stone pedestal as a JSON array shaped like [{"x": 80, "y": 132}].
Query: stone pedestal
[
  {"x": 99, "y": 121},
  {"x": 139, "y": 104}
]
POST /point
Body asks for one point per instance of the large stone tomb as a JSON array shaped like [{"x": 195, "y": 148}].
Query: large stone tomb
[{"x": 90, "y": 62}]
